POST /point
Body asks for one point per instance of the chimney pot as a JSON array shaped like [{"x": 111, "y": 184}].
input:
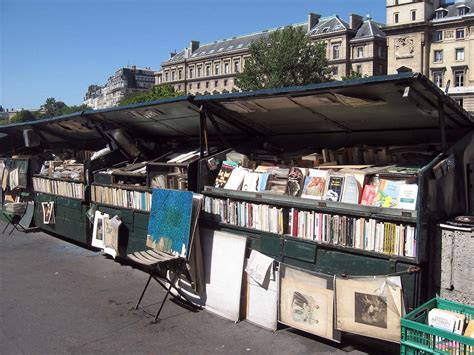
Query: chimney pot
[
  {"x": 193, "y": 45},
  {"x": 355, "y": 21}
]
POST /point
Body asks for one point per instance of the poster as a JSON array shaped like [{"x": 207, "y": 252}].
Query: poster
[
  {"x": 170, "y": 221},
  {"x": 258, "y": 266},
  {"x": 307, "y": 302},
  {"x": 111, "y": 235},
  {"x": 370, "y": 306},
  {"x": 48, "y": 212}
]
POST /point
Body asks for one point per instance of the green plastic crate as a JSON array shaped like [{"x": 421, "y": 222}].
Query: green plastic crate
[{"x": 419, "y": 338}]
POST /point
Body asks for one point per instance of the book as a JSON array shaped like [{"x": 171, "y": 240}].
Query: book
[
  {"x": 278, "y": 180},
  {"x": 469, "y": 332},
  {"x": 387, "y": 193},
  {"x": 236, "y": 179},
  {"x": 251, "y": 182},
  {"x": 334, "y": 188},
  {"x": 368, "y": 195},
  {"x": 224, "y": 174},
  {"x": 407, "y": 196},
  {"x": 262, "y": 181},
  {"x": 315, "y": 184},
  {"x": 351, "y": 190},
  {"x": 296, "y": 181},
  {"x": 446, "y": 320}
]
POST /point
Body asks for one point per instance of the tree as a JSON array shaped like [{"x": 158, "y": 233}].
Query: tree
[
  {"x": 23, "y": 116},
  {"x": 286, "y": 57},
  {"x": 353, "y": 75},
  {"x": 52, "y": 107},
  {"x": 157, "y": 92}
]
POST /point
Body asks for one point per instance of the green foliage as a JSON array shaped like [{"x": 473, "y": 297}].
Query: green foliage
[
  {"x": 157, "y": 92},
  {"x": 52, "y": 107},
  {"x": 23, "y": 116},
  {"x": 286, "y": 57},
  {"x": 353, "y": 75}
]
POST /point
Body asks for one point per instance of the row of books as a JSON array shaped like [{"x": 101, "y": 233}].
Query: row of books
[
  {"x": 265, "y": 218},
  {"x": 58, "y": 187},
  {"x": 357, "y": 185},
  {"x": 362, "y": 233},
  {"x": 139, "y": 200}
]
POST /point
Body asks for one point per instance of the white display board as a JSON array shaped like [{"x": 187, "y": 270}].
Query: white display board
[
  {"x": 223, "y": 260},
  {"x": 262, "y": 300}
]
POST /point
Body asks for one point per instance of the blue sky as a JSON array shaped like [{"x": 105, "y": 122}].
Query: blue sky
[{"x": 56, "y": 48}]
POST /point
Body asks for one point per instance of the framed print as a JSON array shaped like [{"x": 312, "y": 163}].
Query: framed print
[
  {"x": 370, "y": 306},
  {"x": 307, "y": 302},
  {"x": 98, "y": 233},
  {"x": 48, "y": 212}
]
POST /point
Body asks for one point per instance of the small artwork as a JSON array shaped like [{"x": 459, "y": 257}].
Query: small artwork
[
  {"x": 306, "y": 303},
  {"x": 48, "y": 212},
  {"x": 170, "y": 221},
  {"x": 370, "y": 306},
  {"x": 370, "y": 310},
  {"x": 98, "y": 233}
]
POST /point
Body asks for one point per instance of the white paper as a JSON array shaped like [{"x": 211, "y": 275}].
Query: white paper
[
  {"x": 236, "y": 179},
  {"x": 258, "y": 266}
]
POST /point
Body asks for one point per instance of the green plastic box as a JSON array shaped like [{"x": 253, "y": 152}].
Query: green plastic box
[{"x": 419, "y": 338}]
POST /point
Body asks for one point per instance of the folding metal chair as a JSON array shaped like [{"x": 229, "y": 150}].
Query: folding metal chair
[
  {"x": 18, "y": 219},
  {"x": 157, "y": 264}
]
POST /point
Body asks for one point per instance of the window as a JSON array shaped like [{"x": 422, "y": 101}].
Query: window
[
  {"x": 225, "y": 82},
  {"x": 207, "y": 84},
  {"x": 179, "y": 87},
  {"x": 325, "y": 29},
  {"x": 440, "y": 14},
  {"x": 413, "y": 15},
  {"x": 216, "y": 83},
  {"x": 190, "y": 86},
  {"x": 236, "y": 66},
  {"x": 359, "y": 69},
  {"x": 438, "y": 56},
  {"x": 199, "y": 72},
  {"x": 395, "y": 17},
  {"x": 198, "y": 85},
  {"x": 381, "y": 71},
  {"x": 208, "y": 70},
  {"x": 438, "y": 78},
  {"x": 460, "y": 33},
  {"x": 460, "y": 101},
  {"x": 172, "y": 76},
  {"x": 226, "y": 68},
  {"x": 438, "y": 36},
  {"x": 180, "y": 73},
  {"x": 396, "y": 2},
  {"x": 463, "y": 10},
  {"x": 459, "y": 78},
  {"x": 335, "y": 70},
  {"x": 216, "y": 69},
  {"x": 381, "y": 52},
  {"x": 191, "y": 73},
  {"x": 360, "y": 52},
  {"x": 166, "y": 76},
  {"x": 460, "y": 54},
  {"x": 336, "y": 51}
]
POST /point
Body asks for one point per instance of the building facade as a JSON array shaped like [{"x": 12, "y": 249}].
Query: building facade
[
  {"x": 434, "y": 37},
  {"x": 211, "y": 68},
  {"x": 124, "y": 82}
]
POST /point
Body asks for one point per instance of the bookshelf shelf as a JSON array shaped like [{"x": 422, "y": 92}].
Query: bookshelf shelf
[
  {"x": 120, "y": 207},
  {"x": 51, "y": 194},
  {"x": 124, "y": 187},
  {"x": 326, "y": 246},
  {"x": 380, "y": 213}
]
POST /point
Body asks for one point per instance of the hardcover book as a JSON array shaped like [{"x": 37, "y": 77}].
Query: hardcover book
[
  {"x": 407, "y": 196},
  {"x": 224, "y": 174},
  {"x": 296, "y": 181},
  {"x": 368, "y": 195},
  {"x": 387, "y": 194},
  {"x": 351, "y": 191}
]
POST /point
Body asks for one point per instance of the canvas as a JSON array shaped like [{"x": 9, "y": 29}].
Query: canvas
[
  {"x": 98, "y": 234},
  {"x": 370, "y": 306},
  {"x": 170, "y": 221},
  {"x": 307, "y": 303}
]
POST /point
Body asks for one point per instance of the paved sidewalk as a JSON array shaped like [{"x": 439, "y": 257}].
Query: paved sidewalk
[{"x": 56, "y": 297}]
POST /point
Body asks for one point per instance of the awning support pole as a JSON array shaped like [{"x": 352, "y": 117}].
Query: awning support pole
[{"x": 442, "y": 126}]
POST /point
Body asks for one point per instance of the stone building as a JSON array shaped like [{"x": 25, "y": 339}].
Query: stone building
[
  {"x": 211, "y": 68},
  {"x": 433, "y": 37},
  {"x": 125, "y": 81}
]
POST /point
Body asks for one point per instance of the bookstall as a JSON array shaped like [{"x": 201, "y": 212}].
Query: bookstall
[{"x": 346, "y": 178}]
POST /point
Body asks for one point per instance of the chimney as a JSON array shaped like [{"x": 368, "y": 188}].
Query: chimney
[
  {"x": 172, "y": 54},
  {"x": 193, "y": 45},
  {"x": 355, "y": 21},
  {"x": 313, "y": 20}
]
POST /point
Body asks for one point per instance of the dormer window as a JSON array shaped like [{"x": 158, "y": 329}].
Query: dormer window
[
  {"x": 441, "y": 13},
  {"x": 325, "y": 29},
  {"x": 463, "y": 10}
]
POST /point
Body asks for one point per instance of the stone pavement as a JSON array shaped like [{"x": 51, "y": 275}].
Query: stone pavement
[{"x": 57, "y": 297}]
